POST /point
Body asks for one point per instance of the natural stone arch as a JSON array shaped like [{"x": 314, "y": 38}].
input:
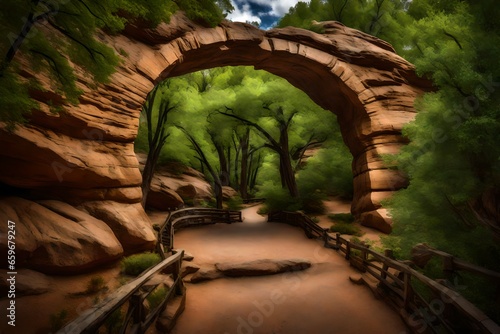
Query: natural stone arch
[{"x": 86, "y": 154}]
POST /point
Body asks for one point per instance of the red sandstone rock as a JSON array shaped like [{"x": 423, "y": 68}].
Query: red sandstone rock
[
  {"x": 54, "y": 237},
  {"x": 129, "y": 222}
]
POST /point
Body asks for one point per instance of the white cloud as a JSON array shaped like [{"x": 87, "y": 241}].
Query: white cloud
[
  {"x": 242, "y": 15},
  {"x": 279, "y": 7}
]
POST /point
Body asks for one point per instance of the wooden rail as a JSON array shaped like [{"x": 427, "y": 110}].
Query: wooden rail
[
  {"x": 444, "y": 312},
  {"x": 137, "y": 319},
  {"x": 191, "y": 217}
]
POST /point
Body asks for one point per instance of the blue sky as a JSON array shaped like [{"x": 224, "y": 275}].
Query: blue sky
[{"x": 266, "y": 12}]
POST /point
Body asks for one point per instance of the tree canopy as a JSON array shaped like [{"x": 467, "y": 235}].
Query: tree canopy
[
  {"x": 238, "y": 120},
  {"x": 52, "y": 35}
]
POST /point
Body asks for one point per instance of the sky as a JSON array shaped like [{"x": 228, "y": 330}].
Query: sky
[{"x": 266, "y": 12}]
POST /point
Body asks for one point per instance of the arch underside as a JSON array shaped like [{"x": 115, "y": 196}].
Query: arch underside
[{"x": 354, "y": 75}]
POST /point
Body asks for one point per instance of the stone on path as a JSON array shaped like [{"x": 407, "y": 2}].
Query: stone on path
[{"x": 262, "y": 267}]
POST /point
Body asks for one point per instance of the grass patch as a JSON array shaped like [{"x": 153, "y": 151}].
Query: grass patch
[
  {"x": 341, "y": 218},
  {"x": 114, "y": 322},
  {"x": 346, "y": 228},
  {"x": 156, "y": 297},
  {"x": 135, "y": 264},
  {"x": 58, "y": 319},
  {"x": 95, "y": 285}
]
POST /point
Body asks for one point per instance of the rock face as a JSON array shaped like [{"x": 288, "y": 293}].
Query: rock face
[
  {"x": 86, "y": 153},
  {"x": 54, "y": 237},
  {"x": 174, "y": 184}
]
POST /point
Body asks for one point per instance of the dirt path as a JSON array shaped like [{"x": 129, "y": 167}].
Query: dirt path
[{"x": 318, "y": 300}]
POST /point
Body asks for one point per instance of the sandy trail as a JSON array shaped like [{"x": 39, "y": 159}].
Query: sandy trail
[{"x": 318, "y": 300}]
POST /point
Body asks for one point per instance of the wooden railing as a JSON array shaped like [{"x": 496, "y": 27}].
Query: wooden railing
[
  {"x": 191, "y": 217},
  {"x": 137, "y": 318},
  {"x": 442, "y": 310}
]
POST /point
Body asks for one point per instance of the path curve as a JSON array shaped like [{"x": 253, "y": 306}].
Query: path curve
[{"x": 318, "y": 300}]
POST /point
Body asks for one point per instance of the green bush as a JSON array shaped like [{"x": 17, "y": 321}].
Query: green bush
[
  {"x": 344, "y": 228},
  {"x": 137, "y": 263},
  {"x": 277, "y": 198},
  {"x": 114, "y": 322},
  {"x": 341, "y": 217},
  {"x": 235, "y": 203},
  {"x": 156, "y": 297},
  {"x": 57, "y": 320},
  {"x": 95, "y": 285}
]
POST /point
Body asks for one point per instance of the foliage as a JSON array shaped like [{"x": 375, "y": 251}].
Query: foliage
[
  {"x": 235, "y": 203},
  {"x": 137, "y": 263},
  {"x": 207, "y": 12},
  {"x": 58, "y": 319},
  {"x": 341, "y": 217},
  {"x": 383, "y": 19},
  {"x": 453, "y": 157},
  {"x": 346, "y": 228},
  {"x": 277, "y": 198},
  {"x": 55, "y": 35},
  {"x": 272, "y": 121},
  {"x": 114, "y": 322},
  {"x": 156, "y": 297},
  {"x": 96, "y": 284}
]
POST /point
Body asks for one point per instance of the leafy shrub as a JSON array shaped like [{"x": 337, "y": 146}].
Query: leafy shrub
[
  {"x": 57, "y": 320},
  {"x": 344, "y": 228},
  {"x": 277, "y": 198},
  {"x": 156, "y": 297},
  {"x": 95, "y": 285},
  {"x": 328, "y": 172},
  {"x": 137, "y": 263},
  {"x": 235, "y": 203},
  {"x": 114, "y": 322},
  {"x": 341, "y": 217}
]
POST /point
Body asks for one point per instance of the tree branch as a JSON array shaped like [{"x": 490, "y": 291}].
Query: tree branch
[
  {"x": 266, "y": 134},
  {"x": 454, "y": 38},
  {"x": 67, "y": 34}
]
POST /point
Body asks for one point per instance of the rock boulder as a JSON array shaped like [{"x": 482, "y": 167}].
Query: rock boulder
[{"x": 54, "y": 237}]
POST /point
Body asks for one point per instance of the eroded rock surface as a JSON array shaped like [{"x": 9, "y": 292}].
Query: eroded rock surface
[
  {"x": 54, "y": 237},
  {"x": 262, "y": 267},
  {"x": 259, "y": 267}
]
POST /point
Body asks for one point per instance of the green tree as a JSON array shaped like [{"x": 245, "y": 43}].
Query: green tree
[
  {"x": 385, "y": 19},
  {"x": 52, "y": 34},
  {"x": 270, "y": 108},
  {"x": 156, "y": 110},
  {"x": 453, "y": 159}
]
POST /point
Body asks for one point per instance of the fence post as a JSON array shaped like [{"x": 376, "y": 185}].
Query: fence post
[
  {"x": 448, "y": 266},
  {"x": 325, "y": 238},
  {"x": 176, "y": 272},
  {"x": 337, "y": 240},
  {"x": 407, "y": 289},
  {"x": 348, "y": 250},
  {"x": 364, "y": 256},
  {"x": 136, "y": 305},
  {"x": 387, "y": 253}
]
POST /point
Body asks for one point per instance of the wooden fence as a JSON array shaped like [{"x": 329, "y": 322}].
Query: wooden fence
[
  {"x": 191, "y": 217},
  {"x": 441, "y": 309},
  {"x": 138, "y": 318}
]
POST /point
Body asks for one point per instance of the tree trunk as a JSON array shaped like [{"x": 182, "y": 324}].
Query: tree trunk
[
  {"x": 244, "y": 165},
  {"x": 224, "y": 172},
  {"x": 218, "y": 193},
  {"x": 286, "y": 170},
  {"x": 148, "y": 172}
]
